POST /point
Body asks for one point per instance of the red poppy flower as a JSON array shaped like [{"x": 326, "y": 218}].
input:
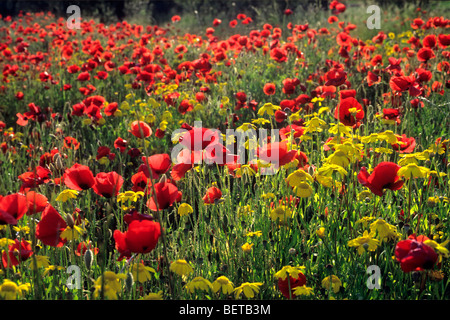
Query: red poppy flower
[
  {"x": 71, "y": 143},
  {"x": 384, "y": 176},
  {"x": 84, "y": 76},
  {"x": 403, "y": 83},
  {"x": 425, "y": 54},
  {"x": 344, "y": 39},
  {"x": 444, "y": 40},
  {"x": 111, "y": 109},
  {"x": 17, "y": 252},
  {"x": 296, "y": 130},
  {"x": 141, "y": 237},
  {"x": 337, "y": 7},
  {"x": 107, "y": 184},
  {"x": 335, "y": 77},
  {"x": 269, "y": 89},
  {"x": 141, "y": 182},
  {"x": 12, "y": 208},
  {"x": 104, "y": 151},
  {"x": 166, "y": 194},
  {"x": 276, "y": 153},
  {"x": 196, "y": 138},
  {"x": 158, "y": 164},
  {"x": 349, "y": 112},
  {"x": 140, "y": 129},
  {"x": 278, "y": 54},
  {"x": 32, "y": 179},
  {"x": 429, "y": 41},
  {"x": 176, "y": 18},
  {"x": 83, "y": 247},
  {"x": 50, "y": 227},
  {"x": 73, "y": 69},
  {"x": 291, "y": 283},
  {"x": 391, "y": 114},
  {"x": 211, "y": 195},
  {"x": 405, "y": 145},
  {"x": 414, "y": 255},
  {"x": 120, "y": 144},
  {"x": 79, "y": 177},
  {"x": 36, "y": 202}
]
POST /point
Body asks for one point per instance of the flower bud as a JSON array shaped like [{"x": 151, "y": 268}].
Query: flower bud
[{"x": 88, "y": 258}]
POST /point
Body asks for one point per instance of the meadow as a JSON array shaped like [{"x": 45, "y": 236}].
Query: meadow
[{"x": 345, "y": 198}]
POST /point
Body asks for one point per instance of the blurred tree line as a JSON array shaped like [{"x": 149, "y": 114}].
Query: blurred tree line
[{"x": 161, "y": 10}]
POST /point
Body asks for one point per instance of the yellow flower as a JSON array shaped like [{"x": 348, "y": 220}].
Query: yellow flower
[
  {"x": 10, "y": 290},
  {"x": 181, "y": 267},
  {"x": 289, "y": 271},
  {"x": 24, "y": 229},
  {"x": 163, "y": 125},
  {"x": 185, "y": 209},
  {"x": 365, "y": 242},
  {"x": 328, "y": 169},
  {"x": 153, "y": 296},
  {"x": 339, "y": 158},
  {"x": 281, "y": 214},
  {"x": 303, "y": 291},
  {"x": 374, "y": 137},
  {"x": 303, "y": 190},
  {"x": 365, "y": 194},
  {"x": 66, "y": 195},
  {"x": 72, "y": 233},
  {"x": 245, "y": 127},
  {"x": 254, "y": 234},
  {"x": 41, "y": 261},
  {"x": 315, "y": 124},
  {"x": 412, "y": 170},
  {"x": 389, "y": 136},
  {"x": 297, "y": 177},
  {"x": 320, "y": 232},
  {"x": 268, "y": 195},
  {"x": 340, "y": 128},
  {"x": 141, "y": 273},
  {"x": 109, "y": 284},
  {"x": 247, "y": 247},
  {"x": 224, "y": 284},
  {"x": 245, "y": 169},
  {"x": 198, "y": 283},
  {"x": 439, "y": 248},
  {"x": 104, "y": 161},
  {"x": 51, "y": 268},
  {"x": 332, "y": 282},
  {"x": 244, "y": 210},
  {"x": 268, "y": 108},
  {"x": 365, "y": 221},
  {"x": 407, "y": 158},
  {"x": 384, "y": 229},
  {"x": 249, "y": 289},
  {"x": 260, "y": 121},
  {"x": 129, "y": 196}
]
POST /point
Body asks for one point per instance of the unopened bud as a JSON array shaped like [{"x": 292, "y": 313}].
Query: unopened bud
[
  {"x": 88, "y": 258},
  {"x": 59, "y": 165},
  {"x": 163, "y": 179},
  {"x": 129, "y": 281},
  {"x": 69, "y": 220}
]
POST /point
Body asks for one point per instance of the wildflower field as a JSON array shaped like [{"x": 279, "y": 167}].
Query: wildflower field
[{"x": 294, "y": 156}]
